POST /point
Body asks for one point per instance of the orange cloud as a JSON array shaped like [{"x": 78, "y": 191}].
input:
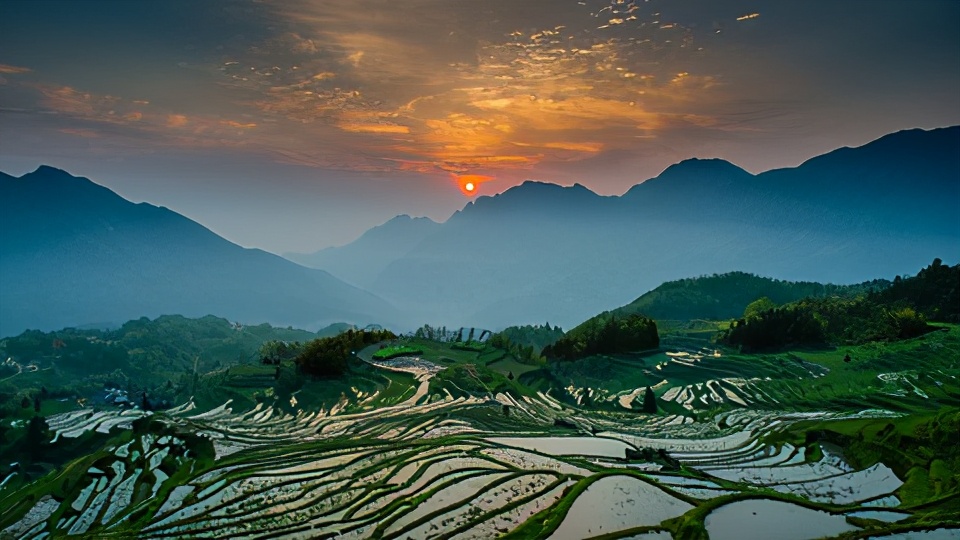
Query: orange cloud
[
  {"x": 374, "y": 128},
  {"x": 239, "y": 125},
  {"x": 586, "y": 147},
  {"x": 13, "y": 70},
  {"x": 412, "y": 92},
  {"x": 176, "y": 120}
]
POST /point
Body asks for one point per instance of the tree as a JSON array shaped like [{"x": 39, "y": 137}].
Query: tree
[
  {"x": 758, "y": 307},
  {"x": 38, "y": 436},
  {"x": 649, "y": 401},
  {"x": 330, "y": 357},
  {"x": 607, "y": 333},
  {"x": 275, "y": 351}
]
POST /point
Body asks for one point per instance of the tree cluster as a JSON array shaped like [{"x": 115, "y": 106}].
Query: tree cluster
[
  {"x": 534, "y": 336},
  {"x": 607, "y": 333},
  {"x": 434, "y": 334},
  {"x": 824, "y": 321},
  {"x": 899, "y": 311},
  {"x": 275, "y": 351},
  {"x": 330, "y": 357},
  {"x": 934, "y": 292},
  {"x": 724, "y": 296}
]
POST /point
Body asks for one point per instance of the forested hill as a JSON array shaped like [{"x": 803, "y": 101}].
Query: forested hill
[
  {"x": 725, "y": 296},
  {"x": 898, "y": 312},
  {"x": 934, "y": 292},
  {"x": 606, "y": 333},
  {"x": 159, "y": 356}
]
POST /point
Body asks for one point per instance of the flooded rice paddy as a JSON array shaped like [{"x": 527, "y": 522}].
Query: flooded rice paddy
[{"x": 425, "y": 464}]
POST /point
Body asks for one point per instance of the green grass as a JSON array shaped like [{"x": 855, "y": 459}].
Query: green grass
[
  {"x": 510, "y": 365},
  {"x": 393, "y": 352},
  {"x": 474, "y": 346},
  {"x": 443, "y": 353}
]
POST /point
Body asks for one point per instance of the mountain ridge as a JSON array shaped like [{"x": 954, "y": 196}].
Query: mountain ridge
[
  {"x": 84, "y": 254},
  {"x": 537, "y": 252}
]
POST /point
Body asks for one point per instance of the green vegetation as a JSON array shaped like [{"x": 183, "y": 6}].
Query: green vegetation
[
  {"x": 726, "y": 296},
  {"x": 312, "y": 426},
  {"x": 387, "y": 353},
  {"x": 758, "y": 307},
  {"x": 474, "y": 346},
  {"x": 164, "y": 357},
  {"x": 274, "y": 352},
  {"x": 934, "y": 292},
  {"x": 822, "y": 321},
  {"x": 469, "y": 379},
  {"x": 649, "y": 401},
  {"x": 899, "y": 312},
  {"x": 922, "y": 449},
  {"x": 330, "y": 357},
  {"x": 607, "y": 333},
  {"x": 535, "y": 336}
]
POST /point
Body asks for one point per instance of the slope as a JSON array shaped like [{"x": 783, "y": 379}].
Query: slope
[{"x": 75, "y": 253}]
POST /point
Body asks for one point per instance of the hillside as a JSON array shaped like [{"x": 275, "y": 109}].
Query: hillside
[
  {"x": 896, "y": 313},
  {"x": 75, "y": 253},
  {"x": 725, "y": 296},
  {"x": 695, "y": 426},
  {"x": 160, "y": 356},
  {"x": 544, "y": 252}
]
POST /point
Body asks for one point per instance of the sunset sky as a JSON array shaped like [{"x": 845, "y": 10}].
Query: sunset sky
[{"x": 294, "y": 125}]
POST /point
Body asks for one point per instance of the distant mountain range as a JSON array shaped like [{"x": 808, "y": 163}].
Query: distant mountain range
[
  {"x": 75, "y": 253},
  {"x": 363, "y": 260},
  {"x": 543, "y": 252}
]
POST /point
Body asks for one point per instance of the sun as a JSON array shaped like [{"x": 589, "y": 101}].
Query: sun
[{"x": 469, "y": 184}]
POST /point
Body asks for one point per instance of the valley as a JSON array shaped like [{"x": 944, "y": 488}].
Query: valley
[
  {"x": 444, "y": 445},
  {"x": 538, "y": 270}
]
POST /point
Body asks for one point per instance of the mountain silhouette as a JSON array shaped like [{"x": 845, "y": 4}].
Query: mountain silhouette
[
  {"x": 362, "y": 261},
  {"x": 73, "y": 253},
  {"x": 544, "y": 252}
]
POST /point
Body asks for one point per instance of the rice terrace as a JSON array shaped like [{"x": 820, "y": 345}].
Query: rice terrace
[
  {"x": 476, "y": 270},
  {"x": 441, "y": 435}
]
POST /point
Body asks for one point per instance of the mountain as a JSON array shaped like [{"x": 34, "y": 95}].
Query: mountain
[
  {"x": 361, "y": 261},
  {"x": 73, "y": 252},
  {"x": 544, "y": 252}
]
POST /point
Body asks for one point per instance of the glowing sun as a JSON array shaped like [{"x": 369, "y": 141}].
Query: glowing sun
[{"x": 469, "y": 184}]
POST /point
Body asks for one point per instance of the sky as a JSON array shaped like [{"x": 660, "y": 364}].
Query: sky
[{"x": 293, "y": 125}]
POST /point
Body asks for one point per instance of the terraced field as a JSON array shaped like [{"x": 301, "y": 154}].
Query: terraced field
[{"x": 731, "y": 456}]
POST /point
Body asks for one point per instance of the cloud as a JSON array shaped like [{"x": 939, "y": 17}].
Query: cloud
[
  {"x": 432, "y": 86},
  {"x": 138, "y": 118},
  {"x": 465, "y": 94},
  {"x": 85, "y": 133},
  {"x": 13, "y": 70},
  {"x": 176, "y": 120},
  {"x": 373, "y": 128}
]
